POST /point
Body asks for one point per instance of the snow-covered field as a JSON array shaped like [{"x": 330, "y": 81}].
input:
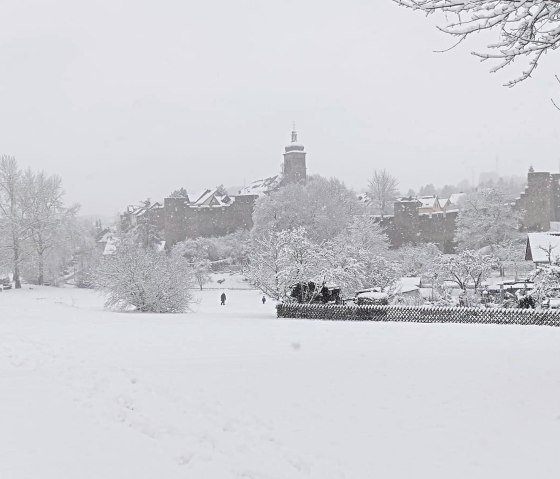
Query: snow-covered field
[{"x": 231, "y": 392}]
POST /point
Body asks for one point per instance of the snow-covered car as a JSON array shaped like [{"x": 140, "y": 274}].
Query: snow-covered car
[
  {"x": 371, "y": 296},
  {"x": 551, "y": 303}
]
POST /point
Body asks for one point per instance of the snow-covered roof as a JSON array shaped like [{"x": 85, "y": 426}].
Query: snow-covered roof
[
  {"x": 410, "y": 281},
  {"x": 210, "y": 198},
  {"x": 111, "y": 246},
  {"x": 540, "y": 244},
  {"x": 205, "y": 197},
  {"x": 260, "y": 187},
  {"x": 106, "y": 237},
  {"x": 429, "y": 201},
  {"x": 408, "y": 199},
  {"x": 372, "y": 295},
  {"x": 142, "y": 209},
  {"x": 455, "y": 197}
]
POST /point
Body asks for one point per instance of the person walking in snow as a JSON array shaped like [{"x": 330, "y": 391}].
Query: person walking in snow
[
  {"x": 223, "y": 299},
  {"x": 264, "y": 299}
]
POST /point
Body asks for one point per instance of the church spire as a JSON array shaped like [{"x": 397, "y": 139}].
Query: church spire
[{"x": 294, "y": 133}]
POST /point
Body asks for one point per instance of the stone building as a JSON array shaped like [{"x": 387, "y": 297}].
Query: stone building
[
  {"x": 414, "y": 223},
  {"x": 208, "y": 215},
  {"x": 294, "y": 168},
  {"x": 213, "y": 214},
  {"x": 147, "y": 212},
  {"x": 539, "y": 204}
]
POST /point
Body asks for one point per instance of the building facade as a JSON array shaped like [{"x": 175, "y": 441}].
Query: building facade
[
  {"x": 412, "y": 224},
  {"x": 539, "y": 204},
  {"x": 213, "y": 213}
]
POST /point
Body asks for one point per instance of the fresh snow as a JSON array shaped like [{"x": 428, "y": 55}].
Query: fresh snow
[{"x": 231, "y": 392}]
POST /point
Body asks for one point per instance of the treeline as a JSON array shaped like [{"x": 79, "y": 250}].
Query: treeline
[
  {"x": 39, "y": 235},
  {"x": 321, "y": 232}
]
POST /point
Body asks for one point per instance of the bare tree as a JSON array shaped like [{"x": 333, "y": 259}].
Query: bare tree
[
  {"x": 553, "y": 102},
  {"x": 548, "y": 251},
  {"x": 44, "y": 214},
  {"x": 11, "y": 213},
  {"x": 382, "y": 189},
  {"x": 527, "y": 28},
  {"x": 180, "y": 193},
  {"x": 201, "y": 269},
  {"x": 468, "y": 268}
]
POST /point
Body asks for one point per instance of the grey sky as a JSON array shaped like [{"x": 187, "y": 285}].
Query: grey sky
[{"x": 127, "y": 99}]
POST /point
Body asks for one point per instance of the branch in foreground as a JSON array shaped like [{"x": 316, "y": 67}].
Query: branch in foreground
[{"x": 527, "y": 29}]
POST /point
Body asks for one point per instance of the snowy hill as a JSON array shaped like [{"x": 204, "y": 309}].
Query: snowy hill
[{"x": 231, "y": 392}]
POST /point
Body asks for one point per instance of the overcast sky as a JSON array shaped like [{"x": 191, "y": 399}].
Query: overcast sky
[{"x": 128, "y": 99}]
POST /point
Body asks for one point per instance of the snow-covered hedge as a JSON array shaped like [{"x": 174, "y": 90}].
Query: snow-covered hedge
[{"x": 418, "y": 314}]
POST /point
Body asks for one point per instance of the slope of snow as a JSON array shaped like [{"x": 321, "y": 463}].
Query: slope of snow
[{"x": 231, "y": 392}]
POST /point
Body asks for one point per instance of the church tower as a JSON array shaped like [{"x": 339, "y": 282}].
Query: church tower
[{"x": 294, "y": 168}]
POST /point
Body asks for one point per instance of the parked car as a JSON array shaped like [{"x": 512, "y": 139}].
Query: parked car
[
  {"x": 5, "y": 283},
  {"x": 371, "y": 296},
  {"x": 551, "y": 303}
]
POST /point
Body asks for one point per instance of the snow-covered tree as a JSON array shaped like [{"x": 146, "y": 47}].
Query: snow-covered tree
[
  {"x": 179, "y": 193},
  {"x": 85, "y": 255},
  {"x": 510, "y": 253},
  {"x": 147, "y": 231},
  {"x": 427, "y": 190},
  {"x": 324, "y": 207},
  {"x": 148, "y": 280},
  {"x": 221, "y": 190},
  {"x": 234, "y": 248},
  {"x": 45, "y": 217},
  {"x": 356, "y": 258},
  {"x": 360, "y": 257},
  {"x": 486, "y": 219},
  {"x": 265, "y": 263},
  {"x": 527, "y": 29},
  {"x": 201, "y": 271},
  {"x": 302, "y": 261},
  {"x": 196, "y": 248},
  {"x": 382, "y": 190},
  {"x": 280, "y": 260},
  {"x": 12, "y": 216},
  {"x": 547, "y": 282},
  {"x": 468, "y": 268},
  {"x": 416, "y": 260},
  {"x": 221, "y": 252}
]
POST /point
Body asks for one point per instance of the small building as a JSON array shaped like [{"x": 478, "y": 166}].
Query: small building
[
  {"x": 429, "y": 205},
  {"x": 542, "y": 248}
]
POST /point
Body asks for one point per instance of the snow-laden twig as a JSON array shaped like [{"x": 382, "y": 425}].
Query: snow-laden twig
[{"x": 527, "y": 29}]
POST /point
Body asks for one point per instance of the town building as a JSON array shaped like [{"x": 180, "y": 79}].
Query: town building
[
  {"x": 542, "y": 248},
  {"x": 213, "y": 213},
  {"x": 416, "y": 221},
  {"x": 539, "y": 204}
]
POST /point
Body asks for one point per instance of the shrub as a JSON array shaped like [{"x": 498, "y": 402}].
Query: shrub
[{"x": 146, "y": 279}]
